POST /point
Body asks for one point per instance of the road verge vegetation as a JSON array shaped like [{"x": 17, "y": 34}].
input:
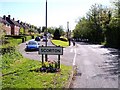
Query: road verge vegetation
[
  {"x": 63, "y": 42},
  {"x": 18, "y": 72}
]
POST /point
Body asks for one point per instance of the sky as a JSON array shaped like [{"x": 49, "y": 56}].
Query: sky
[{"x": 59, "y": 11}]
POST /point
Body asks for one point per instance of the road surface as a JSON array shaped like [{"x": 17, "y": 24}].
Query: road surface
[{"x": 97, "y": 67}]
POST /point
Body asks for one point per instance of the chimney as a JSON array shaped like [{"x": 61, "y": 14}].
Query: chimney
[
  {"x": 13, "y": 19},
  {"x": 21, "y": 23},
  {"x": 9, "y": 16},
  {"x": 4, "y": 17},
  {"x": 18, "y": 21}
]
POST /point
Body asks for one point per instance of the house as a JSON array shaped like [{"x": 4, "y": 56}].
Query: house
[
  {"x": 12, "y": 27},
  {"x": 24, "y": 26},
  {"x": 5, "y": 25},
  {"x": 15, "y": 26}
]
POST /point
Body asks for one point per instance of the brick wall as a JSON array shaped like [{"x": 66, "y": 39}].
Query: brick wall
[
  {"x": 17, "y": 30},
  {"x": 7, "y": 29}
]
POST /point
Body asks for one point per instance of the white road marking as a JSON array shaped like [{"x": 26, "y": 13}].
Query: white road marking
[
  {"x": 74, "y": 57},
  {"x": 71, "y": 50}
]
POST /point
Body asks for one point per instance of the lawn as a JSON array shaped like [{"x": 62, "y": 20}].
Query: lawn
[
  {"x": 61, "y": 43},
  {"x": 20, "y": 76}
]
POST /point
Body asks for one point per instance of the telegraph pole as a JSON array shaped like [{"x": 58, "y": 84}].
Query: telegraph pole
[
  {"x": 46, "y": 31},
  {"x": 68, "y": 33}
]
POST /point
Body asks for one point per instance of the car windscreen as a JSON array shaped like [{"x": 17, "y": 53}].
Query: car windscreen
[{"x": 32, "y": 43}]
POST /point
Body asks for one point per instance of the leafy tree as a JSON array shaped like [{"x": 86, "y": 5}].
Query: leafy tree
[
  {"x": 95, "y": 17},
  {"x": 113, "y": 29},
  {"x": 93, "y": 25},
  {"x": 57, "y": 34},
  {"x": 43, "y": 29},
  {"x": 61, "y": 30},
  {"x": 51, "y": 30},
  {"x": 22, "y": 31},
  {"x": 39, "y": 30}
]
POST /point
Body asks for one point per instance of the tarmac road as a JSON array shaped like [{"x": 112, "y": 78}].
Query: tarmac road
[{"x": 97, "y": 67}]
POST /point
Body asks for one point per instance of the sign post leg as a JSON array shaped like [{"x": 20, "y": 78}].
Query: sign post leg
[
  {"x": 58, "y": 61},
  {"x": 42, "y": 59}
]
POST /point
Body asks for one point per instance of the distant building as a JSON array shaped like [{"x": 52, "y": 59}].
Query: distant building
[
  {"x": 15, "y": 26},
  {"x": 12, "y": 27},
  {"x": 5, "y": 25},
  {"x": 24, "y": 26}
]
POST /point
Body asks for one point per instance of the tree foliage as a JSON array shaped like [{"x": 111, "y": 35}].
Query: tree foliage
[
  {"x": 39, "y": 30},
  {"x": 57, "y": 34},
  {"x": 22, "y": 31},
  {"x": 101, "y": 24},
  {"x": 113, "y": 29},
  {"x": 51, "y": 30}
]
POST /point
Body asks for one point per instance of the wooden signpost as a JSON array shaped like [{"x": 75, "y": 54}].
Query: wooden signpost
[{"x": 51, "y": 50}]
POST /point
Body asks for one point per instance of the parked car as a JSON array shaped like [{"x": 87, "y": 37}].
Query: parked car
[
  {"x": 37, "y": 38},
  {"x": 32, "y": 45}
]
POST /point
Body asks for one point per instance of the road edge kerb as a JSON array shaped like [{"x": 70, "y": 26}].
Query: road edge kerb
[
  {"x": 68, "y": 85},
  {"x": 52, "y": 42}
]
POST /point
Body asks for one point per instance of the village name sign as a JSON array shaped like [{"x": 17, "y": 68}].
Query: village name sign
[{"x": 51, "y": 50}]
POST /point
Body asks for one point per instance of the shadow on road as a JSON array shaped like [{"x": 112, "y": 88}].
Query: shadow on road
[{"x": 112, "y": 64}]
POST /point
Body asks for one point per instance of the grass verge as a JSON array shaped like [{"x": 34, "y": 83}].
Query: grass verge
[
  {"x": 17, "y": 73},
  {"x": 61, "y": 43}
]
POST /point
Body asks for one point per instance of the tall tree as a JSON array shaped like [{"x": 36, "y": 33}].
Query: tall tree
[
  {"x": 57, "y": 34},
  {"x": 113, "y": 31}
]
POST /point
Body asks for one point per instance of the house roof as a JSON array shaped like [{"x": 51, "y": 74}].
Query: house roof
[
  {"x": 15, "y": 22},
  {"x": 11, "y": 21},
  {"x": 3, "y": 21},
  {"x": 24, "y": 25}
]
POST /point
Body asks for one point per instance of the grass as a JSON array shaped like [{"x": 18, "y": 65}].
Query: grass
[
  {"x": 16, "y": 71},
  {"x": 61, "y": 43},
  {"x": 18, "y": 75}
]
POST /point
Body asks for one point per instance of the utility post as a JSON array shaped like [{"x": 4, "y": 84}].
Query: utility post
[
  {"x": 68, "y": 33},
  {"x": 46, "y": 31}
]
